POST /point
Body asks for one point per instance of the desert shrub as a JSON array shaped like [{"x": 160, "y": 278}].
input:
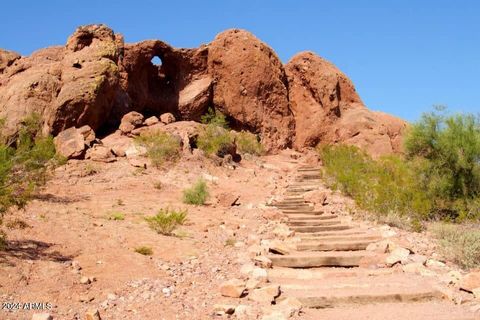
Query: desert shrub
[
  {"x": 445, "y": 150},
  {"x": 161, "y": 147},
  {"x": 3, "y": 240},
  {"x": 116, "y": 216},
  {"x": 215, "y": 118},
  {"x": 214, "y": 140},
  {"x": 387, "y": 187},
  {"x": 24, "y": 163},
  {"x": 196, "y": 194},
  {"x": 459, "y": 243},
  {"x": 248, "y": 143},
  {"x": 166, "y": 220},
  {"x": 146, "y": 251}
]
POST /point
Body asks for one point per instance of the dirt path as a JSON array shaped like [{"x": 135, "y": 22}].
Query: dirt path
[{"x": 272, "y": 255}]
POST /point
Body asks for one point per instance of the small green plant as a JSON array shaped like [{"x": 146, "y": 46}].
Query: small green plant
[
  {"x": 215, "y": 118},
  {"x": 230, "y": 242},
  {"x": 3, "y": 240},
  {"x": 161, "y": 147},
  {"x": 17, "y": 224},
  {"x": 116, "y": 216},
  {"x": 215, "y": 140},
  {"x": 146, "y": 251},
  {"x": 196, "y": 194},
  {"x": 248, "y": 143},
  {"x": 166, "y": 220},
  {"x": 90, "y": 169},
  {"x": 459, "y": 243}
]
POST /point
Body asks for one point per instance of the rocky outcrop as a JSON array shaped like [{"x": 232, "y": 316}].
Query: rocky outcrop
[
  {"x": 327, "y": 109},
  {"x": 96, "y": 79},
  {"x": 251, "y": 86}
]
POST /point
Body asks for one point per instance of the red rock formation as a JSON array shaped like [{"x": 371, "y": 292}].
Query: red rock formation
[
  {"x": 327, "y": 109},
  {"x": 95, "y": 79},
  {"x": 251, "y": 86}
]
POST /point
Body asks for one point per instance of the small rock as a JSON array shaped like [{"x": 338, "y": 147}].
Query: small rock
[
  {"x": 471, "y": 281},
  {"x": 266, "y": 294},
  {"x": 398, "y": 255},
  {"x": 243, "y": 312},
  {"x": 252, "y": 284},
  {"x": 151, "y": 121},
  {"x": 227, "y": 199},
  {"x": 434, "y": 264},
  {"x": 130, "y": 121},
  {"x": 42, "y": 316},
  {"x": 279, "y": 247},
  {"x": 112, "y": 296},
  {"x": 384, "y": 246},
  {"x": 263, "y": 261},
  {"x": 85, "y": 280},
  {"x": 221, "y": 309},
  {"x": 233, "y": 288},
  {"x": 167, "y": 292},
  {"x": 282, "y": 231},
  {"x": 259, "y": 274},
  {"x": 289, "y": 307},
  {"x": 276, "y": 315},
  {"x": 93, "y": 314},
  {"x": 167, "y": 118},
  {"x": 247, "y": 268},
  {"x": 100, "y": 153}
]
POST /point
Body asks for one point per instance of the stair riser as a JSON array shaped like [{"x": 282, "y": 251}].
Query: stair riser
[
  {"x": 331, "y": 302},
  {"x": 318, "y": 216},
  {"x": 315, "y": 262},
  {"x": 310, "y": 223},
  {"x": 333, "y": 246},
  {"x": 319, "y": 228}
]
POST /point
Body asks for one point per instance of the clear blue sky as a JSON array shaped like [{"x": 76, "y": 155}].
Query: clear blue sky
[{"x": 402, "y": 55}]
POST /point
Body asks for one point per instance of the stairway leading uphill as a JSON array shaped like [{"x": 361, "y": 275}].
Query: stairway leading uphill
[{"x": 330, "y": 273}]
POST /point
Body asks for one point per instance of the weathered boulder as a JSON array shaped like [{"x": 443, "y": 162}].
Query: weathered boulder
[
  {"x": 328, "y": 110},
  {"x": 250, "y": 87},
  {"x": 233, "y": 288},
  {"x": 471, "y": 281},
  {"x": 130, "y": 121},
  {"x": 7, "y": 58},
  {"x": 167, "y": 118},
  {"x": 73, "y": 142},
  {"x": 195, "y": 98}
]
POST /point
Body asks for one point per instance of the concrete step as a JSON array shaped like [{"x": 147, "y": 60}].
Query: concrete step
[
  {"x": 318, "y": 216},
  {"x": 319, "y": 259},
  {"x": 353, "y": 245},
  {"x": 336, "y": 227},
  {"x": 295, "y": 222}
]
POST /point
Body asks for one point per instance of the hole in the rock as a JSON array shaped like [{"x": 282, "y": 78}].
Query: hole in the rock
[{"x": 156, "y": 61}]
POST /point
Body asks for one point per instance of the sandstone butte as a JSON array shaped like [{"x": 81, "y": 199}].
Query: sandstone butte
[{"x": 96, "y": 78}]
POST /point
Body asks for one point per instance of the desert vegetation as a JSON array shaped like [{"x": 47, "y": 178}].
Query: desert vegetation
[
  {"x": 25, "y": 163},
  {"x": 437, "y": 180},
  {"x": 166, "y": 220},
  {"x": 161, "y": 147},
  {"x": 197, "y": 194},
  {"x": 217, "y": 139}
]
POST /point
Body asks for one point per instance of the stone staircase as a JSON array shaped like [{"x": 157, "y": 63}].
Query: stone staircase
[{"x": 328, "y": 268}]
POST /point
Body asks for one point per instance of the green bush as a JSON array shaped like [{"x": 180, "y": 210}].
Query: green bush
[
  {"x": 215, "y": 118},
  {"x": 146, "y": 251},
  {"x": 248, "y": 143},
  {"x": 459, "y": 243},
  {"x": 197, "y": 194},
  {"x": 25, "y": 163},
  {"x": 446, "y": 152},
  {"x": 161, "y": 147},
  {"x": 387, "y": 187},
  {"x": 166, "y": 220},
  {"x": 215, "y": 140}
]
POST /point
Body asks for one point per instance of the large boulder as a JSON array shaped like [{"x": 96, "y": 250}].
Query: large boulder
[
  {"x": 250, "y": 87},
  {"x": 328, "y": 109},
  {"x": 68, "y": 86},
  {"x": 7, "y": 58}
]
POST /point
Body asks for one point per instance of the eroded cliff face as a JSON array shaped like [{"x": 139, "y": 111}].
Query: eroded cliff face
[{"x": 96, "y": 78}]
